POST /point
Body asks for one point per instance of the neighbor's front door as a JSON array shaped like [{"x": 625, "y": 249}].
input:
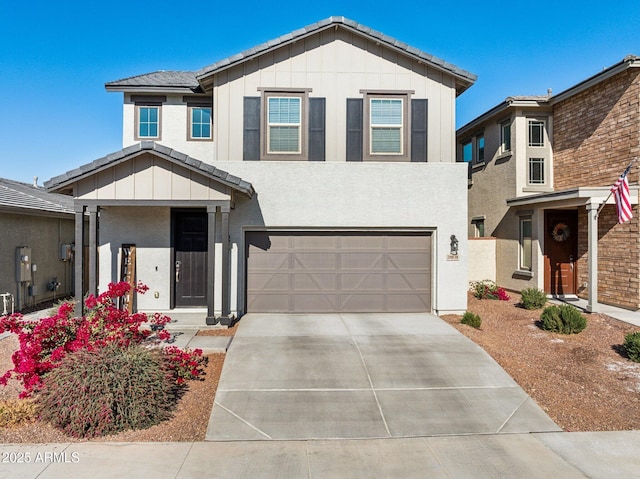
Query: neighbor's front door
[
  {"x": 190, "y": 263},
  {"x": 560, "y": 245}
]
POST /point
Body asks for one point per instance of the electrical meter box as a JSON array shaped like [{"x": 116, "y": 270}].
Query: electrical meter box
[
  {"x": 66, "y": 252},
  {"x": 23, "y": 264}
]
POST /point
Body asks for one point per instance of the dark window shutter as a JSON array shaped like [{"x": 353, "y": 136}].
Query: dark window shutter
[
  {"x": 354, "y": 129},
  {"x": 317, "y": 122},
  {"x": 419, "y": 130},
  {"x": 251, "y": 129}
]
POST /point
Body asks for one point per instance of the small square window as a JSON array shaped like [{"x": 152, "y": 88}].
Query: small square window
[
  {"x": 536, "y": 133},
  {"x": 536, "y": 171},
  {"x": 200, "y": 123},
  {"x": 505, "y": 136},
  {"x": 148, "y": 122}
]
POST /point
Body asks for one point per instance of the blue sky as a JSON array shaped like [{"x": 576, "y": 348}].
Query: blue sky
[{"x": 56, "y": 56}]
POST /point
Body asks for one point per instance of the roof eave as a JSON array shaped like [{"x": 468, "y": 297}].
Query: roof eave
[
  {"x": 500, "y": 110},
  {"x": 630, "y": 61},
  {"x": 151, "y": 89}
]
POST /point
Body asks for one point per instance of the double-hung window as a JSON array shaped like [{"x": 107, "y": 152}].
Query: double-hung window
[
  {"x": 536, "y": 174},
  {"x": 386, "y": 123},
  {"x": 284, "y": 125}
]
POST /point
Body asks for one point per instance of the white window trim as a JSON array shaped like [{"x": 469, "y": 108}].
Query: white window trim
[
  {"x": 270, "y": 125},
  {"x": 522, "y": 253},
  {"x": 400, "y": 128},
  {"x": 503, "y": 125},
  {"x": 190, "y": 136},
  {"x": 543, "y": 163},
  {"x": 531, "y": 121}
]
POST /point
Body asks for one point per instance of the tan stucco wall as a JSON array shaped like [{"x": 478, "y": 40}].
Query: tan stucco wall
[
  {"x": 44, "y": 235},
  {"x": 482, "y": 259}
]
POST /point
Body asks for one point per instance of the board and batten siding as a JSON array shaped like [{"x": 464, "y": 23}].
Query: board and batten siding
[
  {"x": 149, "y": 178},
  {"x": 335, "y": 65}
]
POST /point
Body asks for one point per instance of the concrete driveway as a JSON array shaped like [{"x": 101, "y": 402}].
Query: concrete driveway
[{"x": 348, "y": 376}]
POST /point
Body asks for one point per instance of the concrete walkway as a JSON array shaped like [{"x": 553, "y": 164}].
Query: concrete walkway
[{"x": 354, "y": 376}]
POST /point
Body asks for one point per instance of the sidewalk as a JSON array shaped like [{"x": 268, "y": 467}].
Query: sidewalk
[
  {"x": 595, "y": 455},
  {"x": 628, "y": 316}
]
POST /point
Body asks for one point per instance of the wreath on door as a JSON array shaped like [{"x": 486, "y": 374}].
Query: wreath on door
[{"x": 560, "y": 232}]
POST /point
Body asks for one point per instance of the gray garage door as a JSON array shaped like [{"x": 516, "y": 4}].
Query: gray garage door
[{"x": 338, "y": 272}]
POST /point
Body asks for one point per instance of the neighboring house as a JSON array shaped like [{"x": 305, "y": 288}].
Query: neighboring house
[
  {"x": 540, "y": 167},
  {"x": 36, "y": 234},
  {"x": 319, "y": 167}
]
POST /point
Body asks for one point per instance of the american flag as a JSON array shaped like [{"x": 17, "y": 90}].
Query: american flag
[{"x": 620, "y": 190}]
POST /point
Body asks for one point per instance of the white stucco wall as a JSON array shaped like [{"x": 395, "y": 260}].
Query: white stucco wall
[{"x": 363, "y": 195}]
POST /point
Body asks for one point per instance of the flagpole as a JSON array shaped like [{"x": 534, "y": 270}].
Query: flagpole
[{"x": 611, "y": 192}]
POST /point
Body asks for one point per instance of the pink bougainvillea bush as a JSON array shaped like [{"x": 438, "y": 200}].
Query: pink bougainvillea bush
[
  {"x": 487, "y": 289},
  {"x": 46, "y": 342}
]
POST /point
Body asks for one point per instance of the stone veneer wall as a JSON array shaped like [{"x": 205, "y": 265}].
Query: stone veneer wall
[{"x": 596, "y": 134}]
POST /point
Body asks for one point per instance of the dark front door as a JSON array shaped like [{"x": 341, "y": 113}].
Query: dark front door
[
  {"x": 190, "y": 262},
  {"x": 560, "y": 245}
]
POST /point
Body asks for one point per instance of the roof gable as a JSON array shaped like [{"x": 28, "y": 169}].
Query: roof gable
[
  {"x": 64, "y": 182},
  {"x": 463, "y": 78},
  {"x": 197, "y": 82}
]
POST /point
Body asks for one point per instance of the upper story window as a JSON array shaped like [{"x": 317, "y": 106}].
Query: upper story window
[
  {"x": 386, "y": 135},
  {"x": 148, "y": 116},
  {"x": 284, "y": 124},
  {"x": 536, "y": 132},
  {"x": 386, "y": 124},
  {"x": 536, "y": 174},
  {"x": 200, "y": 123},
  {"x": 148, "y": 122},
  {"x": 505, "y": 136},
  {"x": 480, "y": 148},
  {"x": 467, "y": 152}
]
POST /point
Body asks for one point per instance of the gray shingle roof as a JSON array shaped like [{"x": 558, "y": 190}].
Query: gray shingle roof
[
  {"x": 14, "y": 194},
  {"x": 161, "y": 79},
  {"x": 238, "y": 184},
  {"x": 191, "y": 80},
  {"x": 345, "y": 23}
]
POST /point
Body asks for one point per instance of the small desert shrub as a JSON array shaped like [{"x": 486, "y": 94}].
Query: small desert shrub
[
  {"x": 108, "y": 390},
  {"x": 471, "y": 319},
  {"x": 564, "y": 319},
  {"x": 14, "y": 412},
  {"x": 533, "y": 298},
  {"x": 487, "y": 289},
  {"x": 632, "y": 346}
]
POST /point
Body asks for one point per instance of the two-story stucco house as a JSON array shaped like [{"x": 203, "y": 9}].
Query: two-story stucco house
[
  {"x": 313, "y": 173},
  {"x": 541, "y": 168}
]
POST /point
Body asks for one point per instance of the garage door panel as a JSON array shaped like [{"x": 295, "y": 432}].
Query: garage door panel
[
  {"x": 314, "y": 282},
  {"x": 338, "y": 272}
]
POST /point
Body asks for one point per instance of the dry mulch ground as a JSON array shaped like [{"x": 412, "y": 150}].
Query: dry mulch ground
[
  {"x": 583, "y": 381},
  {"x": 188, "y": 424}
]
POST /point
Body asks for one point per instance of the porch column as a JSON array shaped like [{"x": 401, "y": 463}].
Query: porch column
[
  {"x": 78, "y": 259},
  {"x": 226, "y": 270},
  {"x": 93, "y": 250},
  {"x": 592, "y": 210},
  {"x": 211, "y": 263}
]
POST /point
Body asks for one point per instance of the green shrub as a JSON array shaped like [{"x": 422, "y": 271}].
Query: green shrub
[
  {"x": 108, "y": 390},
  {"x": 471, "y": 319},
  {"x": 533, "y": 298},
  {"x": 564, "y": 319},
  {"x": 14, "y": 412},
  {"x": 632, "y": 346}
]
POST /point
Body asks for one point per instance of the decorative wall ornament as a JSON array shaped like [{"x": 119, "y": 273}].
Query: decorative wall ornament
[{"x": 560, "y": 232}]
